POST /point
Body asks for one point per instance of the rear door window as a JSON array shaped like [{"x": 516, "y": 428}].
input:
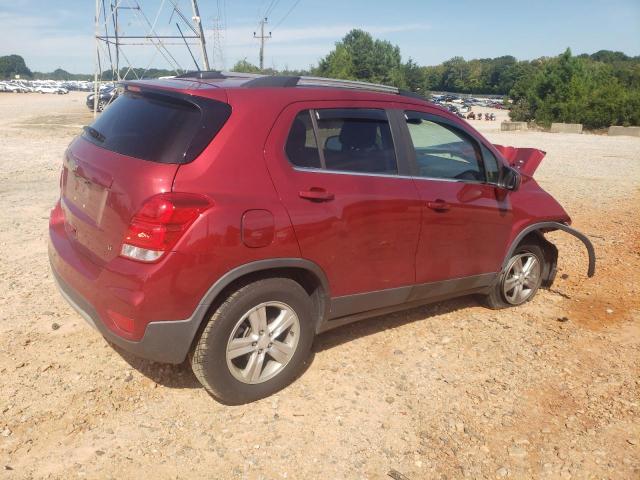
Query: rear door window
[
  {"x": 158, "y": 127},
  {"x": 356, "y": 140},
  {"x": 344, "y": 140},
  {"x": 302, "y": 147}
]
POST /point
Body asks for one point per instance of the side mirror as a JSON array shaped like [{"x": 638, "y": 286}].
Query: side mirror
[{"x": 511, "y": 179}]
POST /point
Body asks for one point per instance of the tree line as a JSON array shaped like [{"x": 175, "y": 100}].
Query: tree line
[{"x": 596, "y": 90}]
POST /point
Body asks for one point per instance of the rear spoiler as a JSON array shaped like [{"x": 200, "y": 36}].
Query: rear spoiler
[{"x": 525, "y": 160}]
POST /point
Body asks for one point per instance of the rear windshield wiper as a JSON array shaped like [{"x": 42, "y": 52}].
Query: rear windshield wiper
[{"x": 94, "y": 133}]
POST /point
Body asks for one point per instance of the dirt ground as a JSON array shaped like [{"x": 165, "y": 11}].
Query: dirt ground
[{"x": 446, "y": 391}]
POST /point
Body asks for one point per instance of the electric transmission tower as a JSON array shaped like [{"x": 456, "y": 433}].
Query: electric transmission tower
[
  {"x": 122, "y": 26},
  {"x": 217, "y": 56}
]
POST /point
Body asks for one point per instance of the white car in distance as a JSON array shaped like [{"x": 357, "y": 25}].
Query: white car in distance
[{"x": 51, "y": 89}]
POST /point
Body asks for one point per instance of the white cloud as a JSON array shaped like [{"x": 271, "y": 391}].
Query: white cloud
[
  {"x": 241, "y": 36},
  {"x": 296, "y": 47},
  {"x": 43, "y": 43},
  {"x": 52, "y": 41}
]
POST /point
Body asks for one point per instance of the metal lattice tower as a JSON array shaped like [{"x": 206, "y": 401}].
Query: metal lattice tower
[
  {"x": 219, "y": 29},
  {"x": 122, "y": 27},
  {"x": 217, "y": 56}
]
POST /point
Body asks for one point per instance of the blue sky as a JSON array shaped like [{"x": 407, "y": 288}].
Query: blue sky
[{"x": 57, "y": 33}]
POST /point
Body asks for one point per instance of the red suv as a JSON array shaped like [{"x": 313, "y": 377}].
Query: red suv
[{"x": 230, "y": 218}]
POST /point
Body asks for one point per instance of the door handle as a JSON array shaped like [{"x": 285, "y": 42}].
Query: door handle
[
  {"x": 439, "y": 205},
  {"x": 316, "y": 194}
]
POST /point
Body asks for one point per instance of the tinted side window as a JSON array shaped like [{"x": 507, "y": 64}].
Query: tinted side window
[
  {"x": 356, "y": 140},
  {"x": 491, "y": 165},
  {"x": 443, "y": 151},
  {"x": 302, "y": 148}
]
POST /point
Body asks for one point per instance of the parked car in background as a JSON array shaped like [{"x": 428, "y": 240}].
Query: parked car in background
[
  {"x": 51, "y": 89},
  {"x": 106, "y": 95},
  {"x": 228, "y": 219},
  {"x": 14, "y": 88},
  {"x": 44, "y": 86}
]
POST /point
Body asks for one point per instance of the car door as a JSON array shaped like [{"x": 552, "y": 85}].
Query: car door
[
  {"x": 466, "y": 216},
  {"x": 353, "y": 212}
]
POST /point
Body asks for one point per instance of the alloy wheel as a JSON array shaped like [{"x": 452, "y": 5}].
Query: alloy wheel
[
  {"x": 522, "y": 278},
  {"x": 263, "y": 342}
]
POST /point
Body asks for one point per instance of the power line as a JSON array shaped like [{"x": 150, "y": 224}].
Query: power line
[
  {"x": 295, "y": 4},
  {"x": 224, "y": 12},
  {"x": 111, "y": 43},
  {"x": 259, "y": 12},
  {"x": 271, "y": 7}
]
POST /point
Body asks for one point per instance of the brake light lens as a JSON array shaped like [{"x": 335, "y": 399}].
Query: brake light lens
[
  {"x": 57, "y": 215},
  {"x": 160, "y": 223}
]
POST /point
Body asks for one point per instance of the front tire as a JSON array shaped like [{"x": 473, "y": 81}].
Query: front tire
[
  {"x": 521, "y": 279},
  {"x": 256, "y": 342}
]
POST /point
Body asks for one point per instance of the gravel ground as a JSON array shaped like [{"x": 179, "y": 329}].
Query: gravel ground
[{"x": 451, "y": 390}]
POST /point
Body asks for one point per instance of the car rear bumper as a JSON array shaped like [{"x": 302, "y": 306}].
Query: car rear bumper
[
  {"x": 167, "y": 341},
  {"x": 97, "y": 293}
]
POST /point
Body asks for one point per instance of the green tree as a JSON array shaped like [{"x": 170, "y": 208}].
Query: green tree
[
  {"x": 574, "y": 90},
  {"x": 12, "y": 65},
  {"x": 455, "y": 74},
  {"x": 244, "y": 66},
  {"x": 433, "y": 78},
  {"x": 414, "y": 77},
  {"x": 358, "y": 56}
]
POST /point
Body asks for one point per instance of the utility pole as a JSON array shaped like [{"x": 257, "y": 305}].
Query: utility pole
[
  {"x": 114, "y": 16},
  {"x": 203, "y": 47},
  {"x": 97, "y": 65},
  {"x": 262, "y": 38}
]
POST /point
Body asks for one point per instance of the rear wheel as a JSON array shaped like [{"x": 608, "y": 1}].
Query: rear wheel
[
  {"x": 521, "y": 279},
  {"x": 256, "y": 342}
]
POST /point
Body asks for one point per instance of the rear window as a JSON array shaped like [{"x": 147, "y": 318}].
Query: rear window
[{"x": 158, "y": 127}]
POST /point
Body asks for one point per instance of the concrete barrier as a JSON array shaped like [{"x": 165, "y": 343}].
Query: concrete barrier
[
  {"x": 630, "y": 131},
  {"x": 510, "y": 126},
  {"x": 566, "y": 128}
]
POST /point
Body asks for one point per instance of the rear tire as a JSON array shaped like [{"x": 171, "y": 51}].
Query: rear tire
[
  {"x": 244, "y": 354},
  {"x": 521, "y": 279}
]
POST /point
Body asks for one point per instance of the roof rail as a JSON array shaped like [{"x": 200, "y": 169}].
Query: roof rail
[
  {"x": 257, "y": 80},
  {"x": 410, "y": 94},
  {"x": 217, "y": 74},
  {"x": 332, "y": 82},
  {"x": 294, "y": 81},
  {"x": 272, "y": 81}
]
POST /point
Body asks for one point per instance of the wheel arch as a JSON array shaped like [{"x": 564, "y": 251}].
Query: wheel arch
[
  {"x": 536, "y": 231},
  {"x": 308, "y": 274}
]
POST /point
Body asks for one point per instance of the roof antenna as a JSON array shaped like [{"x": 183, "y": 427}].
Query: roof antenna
[{"x": 187, "y": 45}]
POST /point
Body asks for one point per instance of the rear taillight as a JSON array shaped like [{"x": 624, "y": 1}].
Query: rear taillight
[
  {"x": 160, "y": 223},
  {"x": 57, "y": 215}
]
